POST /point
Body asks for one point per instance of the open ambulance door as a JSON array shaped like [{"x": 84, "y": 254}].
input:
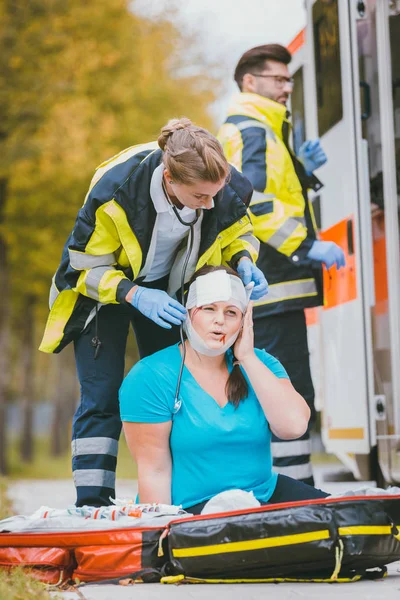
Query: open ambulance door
[
  {"x": 343, "y": 61},
  {"x": 332, "y": 98}
]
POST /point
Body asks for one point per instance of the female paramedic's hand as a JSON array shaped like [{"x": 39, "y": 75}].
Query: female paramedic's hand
[
  {"x": 158, "y": 306},
  {"x": 248, "y": 272},
  {"x": 244, "y": 345}
]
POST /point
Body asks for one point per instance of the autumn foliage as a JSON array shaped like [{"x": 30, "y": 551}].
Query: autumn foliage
[{"x": 79, "y": 81}]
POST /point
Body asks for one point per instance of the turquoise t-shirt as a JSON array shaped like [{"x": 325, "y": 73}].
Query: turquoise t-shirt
[{"x": 213, "y": 449}]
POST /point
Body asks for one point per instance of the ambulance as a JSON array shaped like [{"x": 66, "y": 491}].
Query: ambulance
[{"x": 346, "y": 66}]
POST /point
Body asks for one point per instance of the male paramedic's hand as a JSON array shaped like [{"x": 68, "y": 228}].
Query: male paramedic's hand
[
  {"x": 312, "y": 155},
  {"x": 328, "y": 253},
  {"x": 248, "y": 272},
  {"x": 158, "y": 306}
]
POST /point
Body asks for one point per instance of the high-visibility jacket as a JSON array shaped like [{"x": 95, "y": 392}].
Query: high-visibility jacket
[
  {"x": 255, "y": 140},
  {"x": 108, "y": 246}
]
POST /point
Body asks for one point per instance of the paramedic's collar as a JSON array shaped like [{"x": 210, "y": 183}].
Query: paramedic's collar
[
  {"x": 160, "y": 202},
  {"x": 263, "y": 109}
]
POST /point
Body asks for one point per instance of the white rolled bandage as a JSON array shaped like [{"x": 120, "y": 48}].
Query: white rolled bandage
[{"x": 218, "y": 286}]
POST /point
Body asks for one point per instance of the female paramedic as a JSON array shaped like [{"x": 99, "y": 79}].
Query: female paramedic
[
  {"x": 215, "y": 433},
  {"x": 123, "y": 262}
]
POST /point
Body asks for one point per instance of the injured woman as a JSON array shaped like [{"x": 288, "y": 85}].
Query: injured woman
[{"x": 215, "y": 435}]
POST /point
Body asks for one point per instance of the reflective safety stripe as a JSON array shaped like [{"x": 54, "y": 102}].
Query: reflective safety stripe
[
  {"x": 251, "y": 240},
  {"x": 94, "y": 477},
  {"x": 284, "y": 540},
  {"x": 177, "y": 578},
  {"x": 53, "y": 293},
  {"x": 80, "y": 260},
  {"x": 296, "y": 471},
  {"x": 94, "y": 445},
  {"x": 93, "y": 279},
  {"x": 366, "y": 530},
  {"x": 260, "y": 197},
  {"x": 250, "y": 123},
  {"x": 295, "y": 448},
  {"x": 300, "y": 220},
  {"x": 283, "y": 233},
  {"x": 289, "y": 290}
]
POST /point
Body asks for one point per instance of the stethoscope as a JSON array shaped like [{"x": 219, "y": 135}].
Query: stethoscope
[{"x": 189, "y": 249}]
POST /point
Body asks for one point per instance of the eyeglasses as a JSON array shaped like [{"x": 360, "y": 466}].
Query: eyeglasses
[{"x": 280, "y": 80}]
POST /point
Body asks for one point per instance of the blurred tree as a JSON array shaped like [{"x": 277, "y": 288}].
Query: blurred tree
[{"x": 79, "y": 81}]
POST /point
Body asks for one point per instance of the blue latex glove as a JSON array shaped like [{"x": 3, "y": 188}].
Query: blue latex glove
[
  {"x": 248, "y": 272},
  {"x": 159, "y": 307},
  {"x": 328, "y": 253},
  {"x": 312, "y": 155}
]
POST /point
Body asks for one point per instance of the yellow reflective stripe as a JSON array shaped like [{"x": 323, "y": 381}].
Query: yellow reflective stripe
[
  {"x": 178, "y": 578},
  {"x": 289, "y": 290},
  {"x": 60, "y": 313},
  {"x": 366, "y": 530},
  {"x": 312, "y": 214},
  {"x": 126, "y": 235},
  {"x": 285, "y": 540}
]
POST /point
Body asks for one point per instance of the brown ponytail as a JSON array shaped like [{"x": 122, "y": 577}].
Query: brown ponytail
[
  {"x": 192, "y": 153},
  {"x": 236, "y": 387}
]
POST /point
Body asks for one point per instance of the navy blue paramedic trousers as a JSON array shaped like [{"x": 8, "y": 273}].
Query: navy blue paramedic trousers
[
  {"x": 285, "y": 336},
  {"x": 97, "y": 425}
]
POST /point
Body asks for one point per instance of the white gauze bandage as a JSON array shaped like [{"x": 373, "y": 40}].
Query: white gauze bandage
[{"x": 218, "y": 286}]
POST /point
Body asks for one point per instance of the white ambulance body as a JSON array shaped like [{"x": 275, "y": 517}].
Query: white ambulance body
[{"x": 347, "y": 93}]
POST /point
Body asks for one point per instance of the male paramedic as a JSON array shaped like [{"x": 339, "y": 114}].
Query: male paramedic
[{"x": 255, "y": 138}]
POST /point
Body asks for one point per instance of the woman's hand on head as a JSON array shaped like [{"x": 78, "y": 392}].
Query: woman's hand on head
[{"x": 244, "y": 346}]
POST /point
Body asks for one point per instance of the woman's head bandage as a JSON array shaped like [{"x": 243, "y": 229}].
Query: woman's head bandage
[{"x": 218, "y": 286}]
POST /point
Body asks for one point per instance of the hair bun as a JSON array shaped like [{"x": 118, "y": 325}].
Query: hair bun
[{"x": 170, "y": 128}]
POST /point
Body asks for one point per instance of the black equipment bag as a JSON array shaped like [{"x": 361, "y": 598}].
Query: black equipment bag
[{"x": 331, "y": 539}]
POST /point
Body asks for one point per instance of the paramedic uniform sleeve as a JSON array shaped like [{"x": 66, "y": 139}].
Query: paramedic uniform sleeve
[
  {"x": 277, "y": 205},
  {"x": 92, "y": 250}
]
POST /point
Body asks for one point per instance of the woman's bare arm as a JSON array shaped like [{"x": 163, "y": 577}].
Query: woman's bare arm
[
  {"x": 285, "y": 409},
  {"x": 149, "y": 446}
]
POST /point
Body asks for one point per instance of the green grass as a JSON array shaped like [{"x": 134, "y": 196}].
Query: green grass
[
  {"x": 45, "y": 466},
  {"x": 5, "y": 503},
  {"x": 18, "y": 585}
]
